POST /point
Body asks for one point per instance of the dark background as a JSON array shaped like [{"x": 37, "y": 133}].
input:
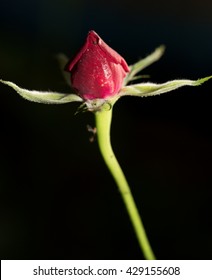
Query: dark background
[{"x": 57, "y": 199}]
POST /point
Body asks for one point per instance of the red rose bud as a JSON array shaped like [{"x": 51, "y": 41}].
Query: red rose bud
[{"x": 97, "y": 71}]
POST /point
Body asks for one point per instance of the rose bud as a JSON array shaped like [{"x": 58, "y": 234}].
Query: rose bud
[{"x": 97, "y": 71}]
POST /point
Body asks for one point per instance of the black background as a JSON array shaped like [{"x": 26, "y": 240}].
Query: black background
[{"x": 57, "y": 199}]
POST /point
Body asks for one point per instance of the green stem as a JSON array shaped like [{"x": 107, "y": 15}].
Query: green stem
[{"x": 103, "y": 123}]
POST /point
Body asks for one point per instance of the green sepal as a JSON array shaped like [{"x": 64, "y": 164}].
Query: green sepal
[
  {"x": 143, "y": 63},
  {"x": 62, "y": 60},
  {"x": 151, "y": 89},
  {"x": 46, "y": 97}
]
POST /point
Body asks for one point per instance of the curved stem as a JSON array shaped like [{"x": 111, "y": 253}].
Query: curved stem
[{"x": 103, "y": 123}]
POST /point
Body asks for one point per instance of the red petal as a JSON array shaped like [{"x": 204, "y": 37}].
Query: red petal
[{"x": 73, "y": 61}]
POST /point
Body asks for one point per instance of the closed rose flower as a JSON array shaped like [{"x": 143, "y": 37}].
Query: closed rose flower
[{"x": 97, "y": 71}]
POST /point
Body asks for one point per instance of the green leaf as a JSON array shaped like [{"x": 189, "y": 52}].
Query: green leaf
[
  {"x": 143, "y": 63},
  {"x": 150, "y": 89},
  {"x": 46, "y": 97}
]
